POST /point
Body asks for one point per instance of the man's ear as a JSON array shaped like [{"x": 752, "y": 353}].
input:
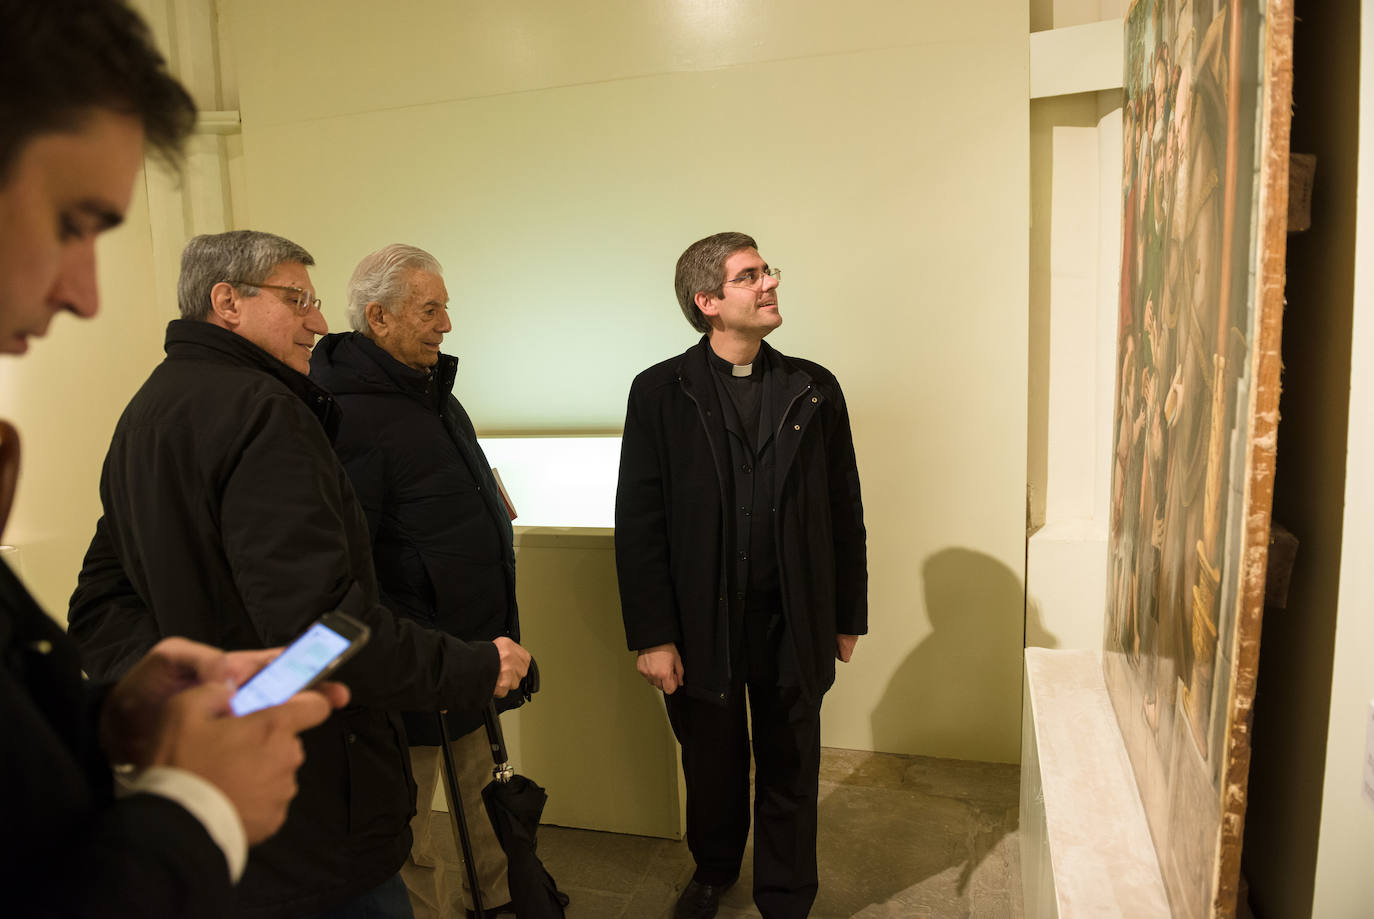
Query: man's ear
[
  {"x": 224, "y": 306},
  {"x": 709, "y": 305},
  {"x": 376, "y": 319}
]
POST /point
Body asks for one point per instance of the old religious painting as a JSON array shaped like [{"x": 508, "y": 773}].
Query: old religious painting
[{"x": 1205, "y": 119}]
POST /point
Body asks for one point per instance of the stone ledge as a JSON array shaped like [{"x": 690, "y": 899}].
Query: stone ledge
[{"x": 1086, "y": 848}]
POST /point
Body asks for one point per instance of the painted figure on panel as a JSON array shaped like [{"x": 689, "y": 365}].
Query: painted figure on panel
[
  {"x": 1163, "y": 603},
  {"x": 1186, "y": 333},
  {"x": 1176, "y": 387}
]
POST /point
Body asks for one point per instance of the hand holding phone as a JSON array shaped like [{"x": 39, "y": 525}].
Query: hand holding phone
[
  {"x": 331, "y": 640},
  {"x": 252, "y": 760}
]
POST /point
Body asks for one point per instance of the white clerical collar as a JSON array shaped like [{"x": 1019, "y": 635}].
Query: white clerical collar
[{"x": 741, "y": 370}]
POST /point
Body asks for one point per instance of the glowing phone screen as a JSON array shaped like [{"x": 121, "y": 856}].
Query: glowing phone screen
[{"x": 291, "y": 672}]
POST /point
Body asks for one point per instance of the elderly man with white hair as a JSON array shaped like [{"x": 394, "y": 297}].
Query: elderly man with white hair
[{"x": 441, "y": 535}]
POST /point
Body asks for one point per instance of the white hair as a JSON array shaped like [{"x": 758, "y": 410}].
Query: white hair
[{"x": 381, "y": 277}]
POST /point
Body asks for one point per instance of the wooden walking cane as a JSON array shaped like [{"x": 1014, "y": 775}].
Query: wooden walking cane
[{"x": 459, "y": 819}]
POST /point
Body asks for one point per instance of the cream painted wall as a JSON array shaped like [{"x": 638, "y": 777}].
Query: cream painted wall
[
  {"x": 557, "y": 161},
  {"x": 1344, "y": 885}
]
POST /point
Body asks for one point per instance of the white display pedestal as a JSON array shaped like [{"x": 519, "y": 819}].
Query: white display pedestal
[{"x": 1085, "y": 845}]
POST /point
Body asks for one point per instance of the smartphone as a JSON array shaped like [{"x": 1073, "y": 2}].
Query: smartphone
[{"x": 331, "y": 640}]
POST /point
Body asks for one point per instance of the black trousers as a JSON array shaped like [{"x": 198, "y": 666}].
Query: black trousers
[{"x": 787, "y": 755}]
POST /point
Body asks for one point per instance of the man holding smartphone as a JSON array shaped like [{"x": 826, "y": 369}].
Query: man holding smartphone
[
  {"x": 81, "y": 91},
  {"x": 228, "y": 519}
]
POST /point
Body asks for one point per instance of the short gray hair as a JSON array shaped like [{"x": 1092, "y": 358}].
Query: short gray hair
[
  {"x": 247, "y": 256},
  {"x": 381, "y": 276},
  {"x": 701, "y": 269}
]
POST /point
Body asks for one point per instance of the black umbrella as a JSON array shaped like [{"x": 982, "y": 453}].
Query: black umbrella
[{"x": 514, "y": 804}]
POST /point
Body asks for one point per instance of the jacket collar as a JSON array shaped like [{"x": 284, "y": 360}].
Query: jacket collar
[
  {"x": 408, "y": 379},
  {"x": 200, "y": 340},
  {"x": 785, "y": 383},
  {"x": 694, "y": 366},
  {"x": 350, "y": 363}
]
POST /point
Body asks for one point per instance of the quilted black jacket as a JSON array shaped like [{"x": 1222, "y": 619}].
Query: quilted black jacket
[{"x": 441, "y": 537}]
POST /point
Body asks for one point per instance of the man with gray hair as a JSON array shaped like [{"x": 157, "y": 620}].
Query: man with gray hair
[
  {"x": 441, "y": 535},
  {"x": 740, "y": 551},
  {"x": 228, "y": 519}
]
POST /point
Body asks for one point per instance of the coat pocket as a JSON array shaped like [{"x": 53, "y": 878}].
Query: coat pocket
[{"x": 381, "y": 790}]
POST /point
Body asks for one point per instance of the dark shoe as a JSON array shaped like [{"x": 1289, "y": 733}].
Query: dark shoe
[{"x": 699, "y": 901}]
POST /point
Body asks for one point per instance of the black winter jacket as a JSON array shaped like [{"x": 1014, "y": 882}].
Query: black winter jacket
[
  {"x": 441, "y": 536},
  {"x": 229, "y": 520},
  {"x": 669, "y": 531}
]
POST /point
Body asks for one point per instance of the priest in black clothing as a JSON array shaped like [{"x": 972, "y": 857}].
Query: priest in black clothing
[{"x": 741, "y": 557}]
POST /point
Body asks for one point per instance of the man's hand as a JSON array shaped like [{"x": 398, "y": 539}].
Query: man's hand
[
  {"x": 844, "y": 647},
  {"x": 252, "y": 759},
  {"x": 662, "y": 667},
  {"x": 132, "y": 714},
  {"x": 515, "y": 663}
]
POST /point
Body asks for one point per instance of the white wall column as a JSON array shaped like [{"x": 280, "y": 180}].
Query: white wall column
[{"x": 1078, "y": 190}]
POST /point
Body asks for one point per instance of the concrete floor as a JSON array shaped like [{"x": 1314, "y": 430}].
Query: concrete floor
[{"x": 900, "y": 836}]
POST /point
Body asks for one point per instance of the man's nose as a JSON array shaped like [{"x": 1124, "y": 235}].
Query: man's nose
[
  {"x": 75, "y": 287},
  {"x": 315, "y": 321},
  {"x": 445, "y": 323}
]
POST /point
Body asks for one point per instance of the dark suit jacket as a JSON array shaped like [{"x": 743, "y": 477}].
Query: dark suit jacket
[{"x": 69, "y": 848}]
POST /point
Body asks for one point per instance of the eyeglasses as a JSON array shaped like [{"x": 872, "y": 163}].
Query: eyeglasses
[
  {"x": 753, "y": 278},
  {"x": 297, "y": 298}
]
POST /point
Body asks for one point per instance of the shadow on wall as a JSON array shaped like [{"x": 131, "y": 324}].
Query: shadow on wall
[{"x": 958, "y": 694}]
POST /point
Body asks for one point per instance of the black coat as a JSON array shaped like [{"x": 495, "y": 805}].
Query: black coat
[
  {"x": 441, "y": 537},
  {"x": 229, "y": 520},
  {"x": 669, "y": 532},
  {"x": 69, "y": 848}
]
